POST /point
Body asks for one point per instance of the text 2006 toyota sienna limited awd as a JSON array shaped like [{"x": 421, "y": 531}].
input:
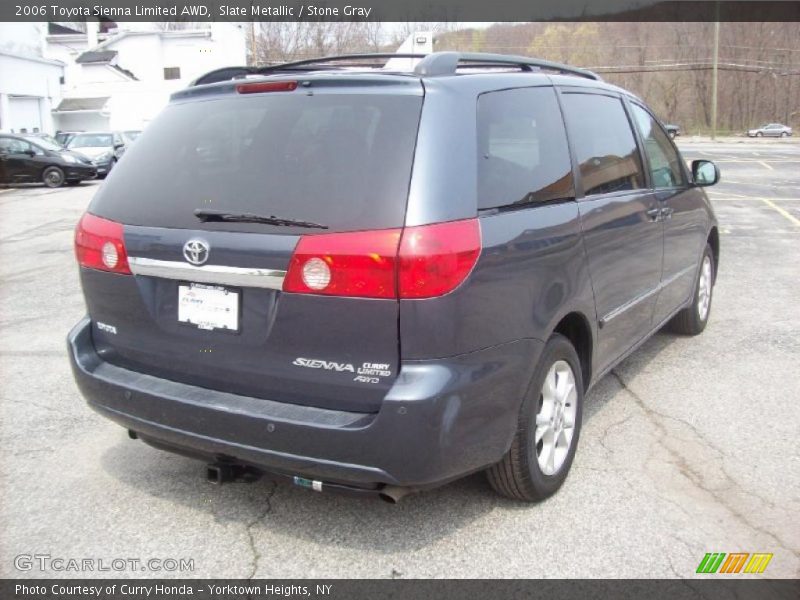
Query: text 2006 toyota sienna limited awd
[{"x": 379, "y": 281}]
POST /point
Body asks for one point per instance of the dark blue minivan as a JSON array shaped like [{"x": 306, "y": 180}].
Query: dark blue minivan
[{"x": 376, "y": 281}]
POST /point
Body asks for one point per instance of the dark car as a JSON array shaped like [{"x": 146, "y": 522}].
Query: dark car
[
  {"x": 27, "y": 160},
  {"x": 375, "y": 282},
  {"x": 672, "y": 130},
  {"x": 104, "y": 148}
]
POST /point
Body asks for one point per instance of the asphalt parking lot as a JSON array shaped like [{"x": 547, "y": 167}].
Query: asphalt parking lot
[{"x": 689, "y": 446}]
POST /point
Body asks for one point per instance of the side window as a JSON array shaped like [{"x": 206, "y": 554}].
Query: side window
[
  {"x": 522, "y": 148},
  {"x": 603, "y": 142},
  {"x": 665, "y": 165},
  {"x": 13, "y": 146}
]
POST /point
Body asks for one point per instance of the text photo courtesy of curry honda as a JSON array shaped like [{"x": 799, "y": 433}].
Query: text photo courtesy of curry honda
[{"x": 367, "y": 300}]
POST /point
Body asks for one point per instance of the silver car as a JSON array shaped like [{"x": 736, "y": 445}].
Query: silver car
[{"x": 771, "y": 130}]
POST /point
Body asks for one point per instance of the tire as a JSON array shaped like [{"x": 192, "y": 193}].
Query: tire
[
  {"x": 519, "y": 474},
  {"x": 759, "y": 134},
  {"x": 693, "y": 319},
  {"x": 784, "y": 134},
  {"x": 672, "y": 135},
  {"x": 53, "y": 177}
]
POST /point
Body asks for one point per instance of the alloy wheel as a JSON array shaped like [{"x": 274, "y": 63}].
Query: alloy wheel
[
  {"x": 704, "y": 289},
  {"x": 555, "y": 421}
]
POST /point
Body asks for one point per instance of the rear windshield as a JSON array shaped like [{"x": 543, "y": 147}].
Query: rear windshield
[{"x": 342, "y": 160}]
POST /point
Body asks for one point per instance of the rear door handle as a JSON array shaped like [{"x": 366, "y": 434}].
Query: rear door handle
[
  {"x": 654, "y": 213},
  {"x": 666, "y": 212}
]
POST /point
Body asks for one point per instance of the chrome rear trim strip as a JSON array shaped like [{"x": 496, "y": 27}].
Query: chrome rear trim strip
[{"x": 215, "y": 274}]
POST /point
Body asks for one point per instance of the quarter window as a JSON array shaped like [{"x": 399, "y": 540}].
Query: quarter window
[
  {"x": 603, "y": 143},
  {"x": 522, "y": 149},
  {"x": 665, "y": 166}
]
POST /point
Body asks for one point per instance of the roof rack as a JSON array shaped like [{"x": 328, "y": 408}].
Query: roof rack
[
  {"x": 310, "y": 64},
  {"x": 447, "y": 63},
  {"x": 430, "y": 65}
]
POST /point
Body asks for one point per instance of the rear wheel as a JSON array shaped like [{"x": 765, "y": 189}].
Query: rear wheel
[
  {"x": 759, "y": 134},
  {"x": 53, "y": 177},
  {"x": 692, "y": 320},
  {"x": 784, "y": 134},
  {"x": 548, "y": 428}
]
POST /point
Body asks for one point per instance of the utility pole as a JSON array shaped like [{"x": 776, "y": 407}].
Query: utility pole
[
  {"x": 714, "y": 74},
  {"x": 253, "y": 58}
]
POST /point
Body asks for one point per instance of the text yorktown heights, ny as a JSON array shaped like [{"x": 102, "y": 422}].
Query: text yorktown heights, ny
[{"x": 159, "y": 590}]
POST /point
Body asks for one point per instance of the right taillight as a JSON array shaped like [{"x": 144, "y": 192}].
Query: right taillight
[
  {"x": 415, "y": 262},
  {"x": 360, "y": 264},
  {"x": 99, "y": 245},
  {"x": 435, "y": 259}
]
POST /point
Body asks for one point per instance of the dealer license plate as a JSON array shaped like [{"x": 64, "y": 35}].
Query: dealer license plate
[{"x": 208, "y": 306}]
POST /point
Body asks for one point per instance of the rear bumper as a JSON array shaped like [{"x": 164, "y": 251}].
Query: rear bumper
[{"x": 441, "y": 419}]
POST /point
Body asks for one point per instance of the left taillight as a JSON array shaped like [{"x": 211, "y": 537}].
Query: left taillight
[{"x": 99, "y": 244}]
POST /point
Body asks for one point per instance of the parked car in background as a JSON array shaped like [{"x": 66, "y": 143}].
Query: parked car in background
[
  {"x": 771, "y": 130},
  {"x": 672, "y": 130},
  {"x": 28, "y": 160},
  {"x": 104, "y": 148},
  {"x": 406, "y": 277},
  {"x": 132, "y": 134},
  {"x": 63, "y": 137}
]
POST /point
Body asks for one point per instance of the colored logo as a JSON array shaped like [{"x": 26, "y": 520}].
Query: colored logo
[{"x": 736, "y": 562}]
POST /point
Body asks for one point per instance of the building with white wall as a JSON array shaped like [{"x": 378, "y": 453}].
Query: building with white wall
[
  {"x": 121, "y": 76},
  {"x": 29, "y": 83}
]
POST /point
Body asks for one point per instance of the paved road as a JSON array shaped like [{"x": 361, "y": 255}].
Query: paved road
[{"x": 689, "y": 447}]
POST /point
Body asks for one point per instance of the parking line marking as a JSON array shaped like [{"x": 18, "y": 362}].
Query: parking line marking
[
  {"x": 782, "y": 211},
  {"x": 761, "y": 162},
  {"x": 732, "y": 195}
]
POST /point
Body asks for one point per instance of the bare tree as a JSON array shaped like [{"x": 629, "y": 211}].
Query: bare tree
[{"x": 284, "y": 41}]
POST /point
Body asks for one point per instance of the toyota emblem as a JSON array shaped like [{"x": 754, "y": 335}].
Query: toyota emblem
[{"x": 196, "y": 252}]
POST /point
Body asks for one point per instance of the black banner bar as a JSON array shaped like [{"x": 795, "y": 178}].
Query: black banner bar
[
  {"x": 400, "y": 10},
  {"x": 714, "y": 588}
]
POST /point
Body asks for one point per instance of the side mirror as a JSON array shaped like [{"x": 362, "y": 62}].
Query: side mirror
[
  {"x": 30, "y": 153},
  {"x": 704, "y": 173}
]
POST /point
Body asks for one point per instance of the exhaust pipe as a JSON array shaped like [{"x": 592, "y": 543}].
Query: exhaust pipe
[
  {"x": 393, "y": 494},
  {"x": 388, "y": 493}
]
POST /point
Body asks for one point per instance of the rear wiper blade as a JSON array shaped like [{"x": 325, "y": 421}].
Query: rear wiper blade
[{"x": 207, "y": 216}]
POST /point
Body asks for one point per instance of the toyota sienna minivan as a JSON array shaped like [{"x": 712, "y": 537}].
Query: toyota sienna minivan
[{"x": 378, "y": 281}]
